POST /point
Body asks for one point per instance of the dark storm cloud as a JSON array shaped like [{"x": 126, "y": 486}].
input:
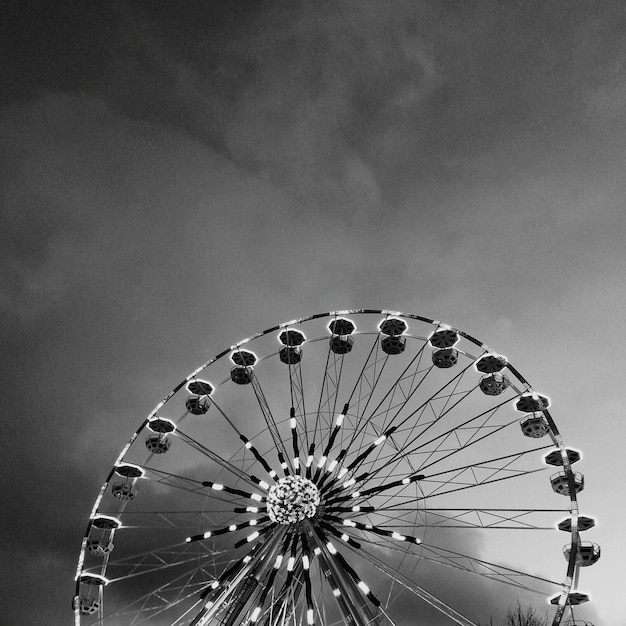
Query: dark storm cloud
[
  {"x": 391, "y": 94},
  {"x": 175, "y": 180}
]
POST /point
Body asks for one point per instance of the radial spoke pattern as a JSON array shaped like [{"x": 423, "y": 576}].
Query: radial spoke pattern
[{"x": 326, "y": 471}]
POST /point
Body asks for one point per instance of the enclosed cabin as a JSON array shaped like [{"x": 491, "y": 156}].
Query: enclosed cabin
[
  {"x": 87, "y": 602},
  {"x": 561, "y": 482},
  {"x": 534, "y": 424},
  {"x": 158, "y": 441},
  {"x": 291, "y": 351},
  {"x": 444, "y": 355},
  {"x": 125, "y": 489},
  {"x": 588, "y": 553},
  {"x": 392, "y": 339},
  {"x": 198, "y": 402},
  {"x": 341, "y": 340},
  {"x": 242, "y": 373}
]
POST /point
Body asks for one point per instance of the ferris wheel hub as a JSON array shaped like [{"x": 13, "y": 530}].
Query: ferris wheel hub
[{"x": 292, "y": 499}]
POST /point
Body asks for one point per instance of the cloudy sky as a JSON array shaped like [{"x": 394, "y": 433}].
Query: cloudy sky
[{"x": 177, "y": 176}]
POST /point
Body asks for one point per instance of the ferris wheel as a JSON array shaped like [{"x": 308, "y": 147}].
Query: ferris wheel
[{"x": 357, "y": 467}]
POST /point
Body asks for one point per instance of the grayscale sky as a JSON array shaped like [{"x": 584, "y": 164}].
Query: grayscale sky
[{"x": 176, "y": 176}]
